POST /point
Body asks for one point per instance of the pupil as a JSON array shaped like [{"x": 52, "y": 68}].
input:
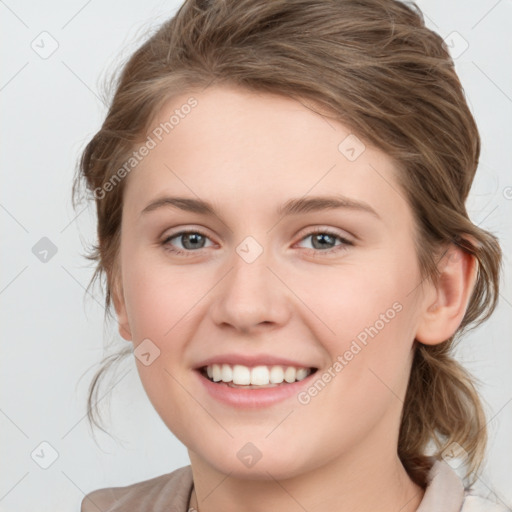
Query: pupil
[
  {"x": 322, "y": 237},
  {"x": 195, "y": 238}
]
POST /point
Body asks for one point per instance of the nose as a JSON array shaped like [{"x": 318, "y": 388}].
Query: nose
[{"x": 251, "y": 297}]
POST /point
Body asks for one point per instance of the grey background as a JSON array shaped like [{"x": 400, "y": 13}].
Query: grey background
[{"x": 53, "y": 333}]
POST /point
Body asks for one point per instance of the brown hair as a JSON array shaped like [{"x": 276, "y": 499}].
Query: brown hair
[{"x": 374, "y": 66}]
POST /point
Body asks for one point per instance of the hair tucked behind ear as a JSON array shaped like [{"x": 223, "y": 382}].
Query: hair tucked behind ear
[
  {"x": 372, "y": 65},
  {"x": 441, "y": 405}
]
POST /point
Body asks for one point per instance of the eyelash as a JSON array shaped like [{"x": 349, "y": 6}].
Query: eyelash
[{"x": 338, "y": 248}]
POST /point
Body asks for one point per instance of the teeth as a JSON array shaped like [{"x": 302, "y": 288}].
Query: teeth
[
  {"x": 241, "y": 374},
  {"x": 226, "y": 373},
  {"x": 302, "y": 373},
  {"x": 276, "y": 374},
  {"x": 217, "y": 373},
  {"x": 257, "y": 375},
  {"x": 289, "y": 374}
]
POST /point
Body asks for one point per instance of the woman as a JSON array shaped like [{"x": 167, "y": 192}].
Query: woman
[{"x": 320, "y": 154}]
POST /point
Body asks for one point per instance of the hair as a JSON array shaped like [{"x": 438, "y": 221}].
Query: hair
[{"x": 374, "y": 66}]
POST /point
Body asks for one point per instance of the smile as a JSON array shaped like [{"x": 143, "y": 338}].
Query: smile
[
  {"x": 256, "y": 376},
  {"x": 222, "y": 382}
]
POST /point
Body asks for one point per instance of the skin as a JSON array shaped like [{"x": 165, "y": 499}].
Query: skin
[{"x": 248, "y": 154}]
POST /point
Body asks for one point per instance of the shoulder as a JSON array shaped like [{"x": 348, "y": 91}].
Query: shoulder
[
  {"x": 169, "y": 493},
  {"x": 474, "y": 503},
  {"x": 445, "y": 491}
]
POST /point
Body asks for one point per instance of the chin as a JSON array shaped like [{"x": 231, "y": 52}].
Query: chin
[{"x": 252, "y": 463}]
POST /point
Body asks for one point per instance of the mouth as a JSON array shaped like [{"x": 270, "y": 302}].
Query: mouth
[{"x": 254, "y": 377}]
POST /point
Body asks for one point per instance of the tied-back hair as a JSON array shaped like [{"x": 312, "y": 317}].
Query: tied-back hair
[{"x": 374, "y": 66}]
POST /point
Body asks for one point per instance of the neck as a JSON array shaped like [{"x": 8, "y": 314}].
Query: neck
[{"x": 383, "y": 486}]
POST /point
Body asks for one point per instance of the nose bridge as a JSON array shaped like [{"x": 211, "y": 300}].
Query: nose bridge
[
  {"x": 249, "y": 284},
  {"x": 250, "y": 293},
  {"x": 250, "y": 273}
]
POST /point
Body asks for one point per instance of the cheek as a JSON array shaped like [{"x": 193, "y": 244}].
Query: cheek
[
  {"x": 353, "y": 297},
  {"x": 365, "y": 383},
  {"x": 368, "y": 326},
  {"x": 158, "y": 295},
  {"x": 160, "y": 309},
  {"x": 340, "y": 310}
]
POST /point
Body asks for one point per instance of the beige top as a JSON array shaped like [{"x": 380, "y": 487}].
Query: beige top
[{"x": 171, "y": 493}]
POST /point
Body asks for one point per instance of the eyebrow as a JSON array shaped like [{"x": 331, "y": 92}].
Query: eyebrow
[{"x": 291, "y": 207}]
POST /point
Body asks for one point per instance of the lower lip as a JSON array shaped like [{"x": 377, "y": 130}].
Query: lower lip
[{"x": 253, "y": 398}]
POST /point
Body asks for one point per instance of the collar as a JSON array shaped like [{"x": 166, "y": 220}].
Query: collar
[{"x": 445, "y": 490}]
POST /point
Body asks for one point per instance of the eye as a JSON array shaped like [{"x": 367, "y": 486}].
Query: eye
[
  {"x": 190, "y": 240},
  {"x": 324, "y": 240}
]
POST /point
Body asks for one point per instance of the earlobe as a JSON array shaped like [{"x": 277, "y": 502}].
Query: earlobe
[
  {"x": 122, "y": 317},
  {"x": 445, "y": 307}
]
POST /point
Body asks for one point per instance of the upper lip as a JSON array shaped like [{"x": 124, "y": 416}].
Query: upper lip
[{"x": 252, "y": 360}]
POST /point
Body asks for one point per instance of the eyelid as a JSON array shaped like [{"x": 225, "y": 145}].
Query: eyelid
[
  {"x": 186, "y": 231},
  {"x": 346, "y": 241},
  {"x": 345, "y": 235},
  {"x": 307, "y": 232}
]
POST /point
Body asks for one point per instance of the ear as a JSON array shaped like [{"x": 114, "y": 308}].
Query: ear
[
  {"x": 445, "y": 304},
  {"x": 120, "y": 307}
]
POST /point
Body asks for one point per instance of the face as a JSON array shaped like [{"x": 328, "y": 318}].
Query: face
[{"x": 258, "y": 282}]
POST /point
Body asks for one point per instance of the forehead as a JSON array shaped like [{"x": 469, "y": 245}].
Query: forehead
[{"x": 246, "y": 148}]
